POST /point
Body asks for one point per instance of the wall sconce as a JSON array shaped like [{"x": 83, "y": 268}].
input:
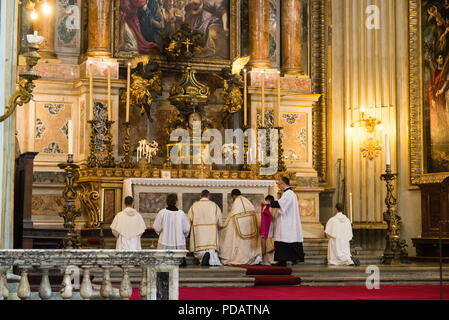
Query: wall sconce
[
  {"x": 370, "y": 146},
  {"x": 23, "y": 94}
]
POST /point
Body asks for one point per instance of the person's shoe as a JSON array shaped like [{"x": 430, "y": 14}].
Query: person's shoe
[
  {"x": 279, "y": 264},
  {"x": 183, "y": 263},
  {"x": 205, "y": 260}
]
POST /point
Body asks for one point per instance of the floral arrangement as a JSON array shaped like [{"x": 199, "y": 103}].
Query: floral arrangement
[
  {"x": 229, "y": 150},
  {"x": 147, "y": 150}
]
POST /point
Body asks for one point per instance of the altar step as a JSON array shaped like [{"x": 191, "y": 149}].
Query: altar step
[{"x": 413, "y": 274}]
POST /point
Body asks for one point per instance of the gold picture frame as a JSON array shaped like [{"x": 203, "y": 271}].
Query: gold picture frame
[
  {"x": 417, "y": 163},
  {"x": 208, "y": 64}
]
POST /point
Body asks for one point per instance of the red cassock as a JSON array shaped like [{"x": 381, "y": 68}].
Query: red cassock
[
  {"x": 128, "y": 14},
  {"x": 435, "y": 84}
]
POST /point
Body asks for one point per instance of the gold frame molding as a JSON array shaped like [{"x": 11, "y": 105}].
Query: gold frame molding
[
  {"x": 417, "y": 172},
  {"x": 198, "y": 63},
  {"x": 319, "y": 73}
]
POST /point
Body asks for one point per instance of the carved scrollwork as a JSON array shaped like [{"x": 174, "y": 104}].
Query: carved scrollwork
[{"x": 90, "y": 196}]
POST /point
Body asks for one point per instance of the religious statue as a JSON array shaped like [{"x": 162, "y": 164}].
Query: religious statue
[
  {"x": 146, "y": 81},
  {"x": 231, "y": 82}
]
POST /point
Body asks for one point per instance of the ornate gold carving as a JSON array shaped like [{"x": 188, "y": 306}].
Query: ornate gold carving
[
  {"x": 416, "y": 137},
  {"x": 89, "y": 199},
  {"x": 370, "y": 148}
]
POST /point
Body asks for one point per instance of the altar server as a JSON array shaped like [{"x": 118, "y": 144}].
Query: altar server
[
  {"x": 288, "y": 236},
  {"x": 205, "y": 217},
  {"x": 266, "y": 230},
  {"x": 172, "y": 226},
  {"x": 128, "y": 226},
  {"x": 240, "y": 242},
  {"x": 339, "y": 231}
]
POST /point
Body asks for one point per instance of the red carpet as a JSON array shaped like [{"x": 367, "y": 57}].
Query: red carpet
[
  {"x": 315, "y": 293},
  {"x": 310, "y": 293},
  {"x": 271, "y": 276}
]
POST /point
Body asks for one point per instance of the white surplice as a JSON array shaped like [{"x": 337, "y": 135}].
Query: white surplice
[
  {"x": 339, "y": 231},
  {"x": 205, "y": 218},
  {"x": 287, "y": 223},
  {"x": 172, "y": 228},
  {"x": 128, "y": 226}
]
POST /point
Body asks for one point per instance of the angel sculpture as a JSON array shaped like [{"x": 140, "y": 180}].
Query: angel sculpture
[
  {"x": 146, "y": 80},
  {"x": 231, "y": 82}
]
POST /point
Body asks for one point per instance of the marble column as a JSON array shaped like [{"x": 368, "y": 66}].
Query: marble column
[
  {"x": 259, "y": 15},
  {"x": 99, "y": 38},
  {"x": 291, "y": 14},
  {"x": 45, "y": 26}
]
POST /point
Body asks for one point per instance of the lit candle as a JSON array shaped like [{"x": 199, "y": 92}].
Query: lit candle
[
  {"x": 91, "y": 90},
  {"x": 70, "y": 134},
  {"x": 278, "y": 115},
  {"x": 128, "y": 81},
  {"x": 350, "y": 206},
  {"x": 109, "y": 94},
  {"x": 263, "y": 98},
  {"x": 245, "y": 99},
  {"x": 387, "y": 148}
]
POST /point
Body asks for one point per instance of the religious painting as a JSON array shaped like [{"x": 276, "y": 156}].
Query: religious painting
[
  {"x": 429, "y": 90},
  {"x": 141, "y": 24},
  {"x": 275, "y": 33},
  {"x": 435, "y": 71},
  {"x": 68, "y": 19}
]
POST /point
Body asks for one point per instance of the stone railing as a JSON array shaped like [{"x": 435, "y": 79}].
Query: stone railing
[{"x": 159, "y": 269}]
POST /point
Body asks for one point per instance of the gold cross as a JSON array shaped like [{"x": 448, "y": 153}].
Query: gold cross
[{"x": 187, "y": 43}]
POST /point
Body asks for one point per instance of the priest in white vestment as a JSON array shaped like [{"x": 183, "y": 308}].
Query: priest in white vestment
[
  {"x": 339, "y": 231},
  {"x": 288, "y": 237},
  {"x": 172, "y": 226},
  {"x": 240, "y": 242},
  {"x": 128, "y": 226},
  {"x": 205, "y": 218}
]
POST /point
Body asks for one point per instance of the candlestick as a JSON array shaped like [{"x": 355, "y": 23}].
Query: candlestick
[
  {"x": 245, "y": 98},
  {"x": 109, "y": 95},
  {"x": 127, "y": 91},
  {"x": 278, "y": 114},
  {"x": 70, "y": 135},
  {"x": 91, "y": 91},
  {"x": 387, "y": 147},
  {"x": 127, "y": 160},
  {"x": 350, "y": 206},
  {"x": 263, "y": 98}
]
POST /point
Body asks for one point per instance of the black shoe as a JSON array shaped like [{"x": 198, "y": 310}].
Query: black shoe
[
  {"x": 205, "y": 260},
  {"x": 280, "y": 264},
  {"x": 183, "y": 263}
]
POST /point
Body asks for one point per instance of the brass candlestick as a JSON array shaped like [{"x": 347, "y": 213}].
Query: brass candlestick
[
  {"x": 281, "y": 163},
  {"x": 395, "y": 249},
  {"x": 70, "y": 212},
  {"x": 108, "y": 161},
  {"x": 127, "y": 160},
  {"x": 245, "y": 149},
  {"x": 92, "y": 160}
]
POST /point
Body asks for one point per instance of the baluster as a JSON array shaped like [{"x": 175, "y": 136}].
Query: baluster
[
  {"x": 67, "y": 288},
  {"x": 4, "y": 290},
  {"x": 24, "y": 290},
  {"x": 86, "y": 286},
  {"x": 143, "y": 283},
  {"x": 45, "y": 288},
  {"x": 106, "y": 285},
  {"x": 126, "y": 289}
]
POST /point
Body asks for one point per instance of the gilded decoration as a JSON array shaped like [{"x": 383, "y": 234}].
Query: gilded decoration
[{"x": 418, "y": 92}]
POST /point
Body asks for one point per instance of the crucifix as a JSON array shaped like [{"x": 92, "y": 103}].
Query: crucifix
[{"x": 187, "y": 43}]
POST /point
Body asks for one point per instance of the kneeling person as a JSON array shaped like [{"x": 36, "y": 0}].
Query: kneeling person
[
  {"x": 339, "y": 231},
  {"x": 205, "y": 218},
  {"x": 128, "y": 226}
]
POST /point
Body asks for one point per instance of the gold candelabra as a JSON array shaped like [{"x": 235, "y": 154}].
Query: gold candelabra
[
  {"x": 127, "y": 160},
  {"x": 281, "y": 162},
  {"x": 109, "y": 161},
  {"x": 92, "y": 160},
  {"x": 70, "y": 212},
  {"x": 395, "y": 250}
]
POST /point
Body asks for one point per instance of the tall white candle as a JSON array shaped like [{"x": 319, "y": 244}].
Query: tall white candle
[
  {"x": 70, "y": 134},
  {"x": 278, "y": 113},
  {"x": 91, "y": 92},
  {"x": 350, "y": 206},
  {"x": 109, "y": 95},
  {"x": 263, "y": 98},
  {"x": 387, "y": 148},
  {"x": 128, "y": 83},
  {"x": 245, "y": 101}
]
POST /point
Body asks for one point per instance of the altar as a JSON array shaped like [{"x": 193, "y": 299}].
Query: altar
[{"x": 150, "y": 194}]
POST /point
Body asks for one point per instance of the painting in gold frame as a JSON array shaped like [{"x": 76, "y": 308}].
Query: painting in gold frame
[
  {"x": 427, "y": 140},
  {"x": 219, "y": 20}
]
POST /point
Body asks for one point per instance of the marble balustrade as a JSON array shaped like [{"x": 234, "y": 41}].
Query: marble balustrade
[{"x": 160, "y": 272}]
